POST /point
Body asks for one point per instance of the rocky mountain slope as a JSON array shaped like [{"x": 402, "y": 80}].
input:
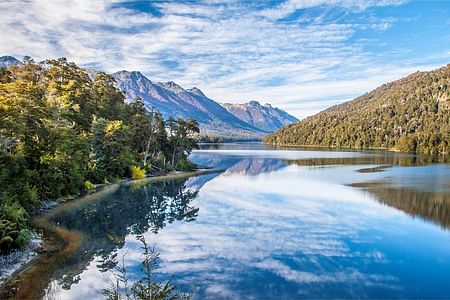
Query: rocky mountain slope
[
  {"x": 172, "y": 100},
  {"x": 411, "y": 114},
  {"x": 264, "y": 117},
  {"x": 6, "y": 61}
]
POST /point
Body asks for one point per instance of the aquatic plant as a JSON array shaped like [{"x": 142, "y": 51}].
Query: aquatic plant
[{"x": 147, "y": 288}]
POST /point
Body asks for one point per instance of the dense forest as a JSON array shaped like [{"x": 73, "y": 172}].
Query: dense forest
[
  {"x": 62, "y": 132},
  {"x": 411, "y": 115}
]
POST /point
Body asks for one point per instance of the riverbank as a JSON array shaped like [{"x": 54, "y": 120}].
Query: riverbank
[{"x": 58, "y": 243}]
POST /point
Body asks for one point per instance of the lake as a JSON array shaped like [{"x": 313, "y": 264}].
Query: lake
[{"x": 274, "y": 224}]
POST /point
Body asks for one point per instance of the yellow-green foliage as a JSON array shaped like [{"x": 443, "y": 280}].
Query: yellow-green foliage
[
  {"x": 411, "y": 114},
  {"x": 89, "y": 185},
  {"x": 60, "y": 132},
  {"x": 137, "y": 173}
]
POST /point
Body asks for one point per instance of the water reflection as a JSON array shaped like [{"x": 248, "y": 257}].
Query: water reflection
[
  {"x": 276, "y": 224},
  {"x": 106, "y": 222},
  {"x": 290, "y": 234},
  {"x": 255, "y": 166},
  {"x": 420, "y": 192},
  {"x": 427, "y": 205}
]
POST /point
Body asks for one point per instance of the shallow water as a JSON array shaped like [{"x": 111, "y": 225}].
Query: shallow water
[{"x": 275, "y": 224}]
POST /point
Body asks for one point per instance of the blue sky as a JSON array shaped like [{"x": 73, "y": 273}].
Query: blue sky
[{"x": 300, "y": 55}]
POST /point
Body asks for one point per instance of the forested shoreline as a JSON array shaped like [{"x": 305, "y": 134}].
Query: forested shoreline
[
  {"x": 409, "y": 115},
  {"x": 62, "y": 132}
]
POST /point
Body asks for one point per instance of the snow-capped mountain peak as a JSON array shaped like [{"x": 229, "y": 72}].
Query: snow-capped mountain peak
[
  {"x": 7, "y": 61},
  {"x": 170, "y": 99},
  {"x": 170, "y": 85},
  {"x": 265, "y": 117},
  {"x": 196, "y": 91}
]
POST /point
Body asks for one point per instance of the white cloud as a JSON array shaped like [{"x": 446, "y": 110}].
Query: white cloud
[
  {"x": 233, "y": 50},
  {"x": 290, "y": 6},
  {"x": 263, "y": 219}
]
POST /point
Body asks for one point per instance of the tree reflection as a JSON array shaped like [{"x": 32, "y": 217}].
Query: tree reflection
[
  {"x": 431, "y": 206},
  {"x": 107, "y": 221},
  {"x": 385, "y": 159}
]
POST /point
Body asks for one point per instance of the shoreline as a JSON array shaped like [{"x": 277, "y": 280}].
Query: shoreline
[
  {"x": 337, "y": 148},
  {"x": 14, "y": 261},
  {"x": 379, "y": 149},
  {"x": 57, "y": 243}
]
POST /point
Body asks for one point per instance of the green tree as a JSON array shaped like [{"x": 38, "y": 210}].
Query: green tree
[
  {"x": 111, "y": 148},
  {"x": 180, "y": 140},
  {"x": 59, "y": 130}
]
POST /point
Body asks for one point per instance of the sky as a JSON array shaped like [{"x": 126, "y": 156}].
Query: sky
[{"x": 300, "y": 55}]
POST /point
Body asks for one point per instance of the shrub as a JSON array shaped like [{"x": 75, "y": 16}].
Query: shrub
[
  {"x": 146, "y": 287},
  {"x": 89, "y": 185},
  {"x": 23, "y": 237},
  {"x": 185, "y": 164},
  {"x": 13, "y": 226},
  {"x": 137, "y": 173}
]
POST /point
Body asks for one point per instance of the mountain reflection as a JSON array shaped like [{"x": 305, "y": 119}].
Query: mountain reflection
[
  {"x": 301, "y": 232},
  {"x": 233, "y": 166},
  {"x": 274, "y": 224},
  {"x": 132, "y": 209},
  {"x": 430, "y": 205},
  {"x": 255, "y": 166}
]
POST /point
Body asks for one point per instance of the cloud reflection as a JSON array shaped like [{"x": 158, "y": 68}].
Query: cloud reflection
[{"x": 270, "y": 229}]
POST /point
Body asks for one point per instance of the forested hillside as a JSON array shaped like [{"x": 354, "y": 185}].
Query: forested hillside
[
  {"x": 61, "y": 132},
  {"x": 411, "y": 114}
]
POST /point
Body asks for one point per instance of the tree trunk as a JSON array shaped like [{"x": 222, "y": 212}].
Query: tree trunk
[
  {"x": 173, "y": 156},
  {"x": 147, "y": 149}
]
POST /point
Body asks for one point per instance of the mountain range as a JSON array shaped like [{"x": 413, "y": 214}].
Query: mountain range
[
  {"x": 411, "y": 114},
  {"x": 7, "y": 61},
  {"x": 170, "y": 99},
  {"x": 242, "y": 121},
  {"x": 249, "y": 121},
  {"x": 264, "y": 117}
]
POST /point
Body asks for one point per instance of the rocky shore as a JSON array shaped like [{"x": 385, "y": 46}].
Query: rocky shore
[{"x": 13, "y": 262}]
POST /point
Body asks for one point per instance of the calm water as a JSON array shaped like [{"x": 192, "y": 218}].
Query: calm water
[{"x": 275, "y": 224}]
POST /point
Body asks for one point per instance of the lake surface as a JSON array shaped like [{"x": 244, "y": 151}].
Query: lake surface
[{"x": 275, "y": 224}]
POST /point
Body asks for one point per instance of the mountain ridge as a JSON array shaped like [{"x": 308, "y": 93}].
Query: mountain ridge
[
  {"x": 170, "y": 99},
  {"x": 264, "y": 116},
  {"x": 7, "y": 61},
  {"x": 173, "y": 100},
  {"x": 411, "y": 114}
]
